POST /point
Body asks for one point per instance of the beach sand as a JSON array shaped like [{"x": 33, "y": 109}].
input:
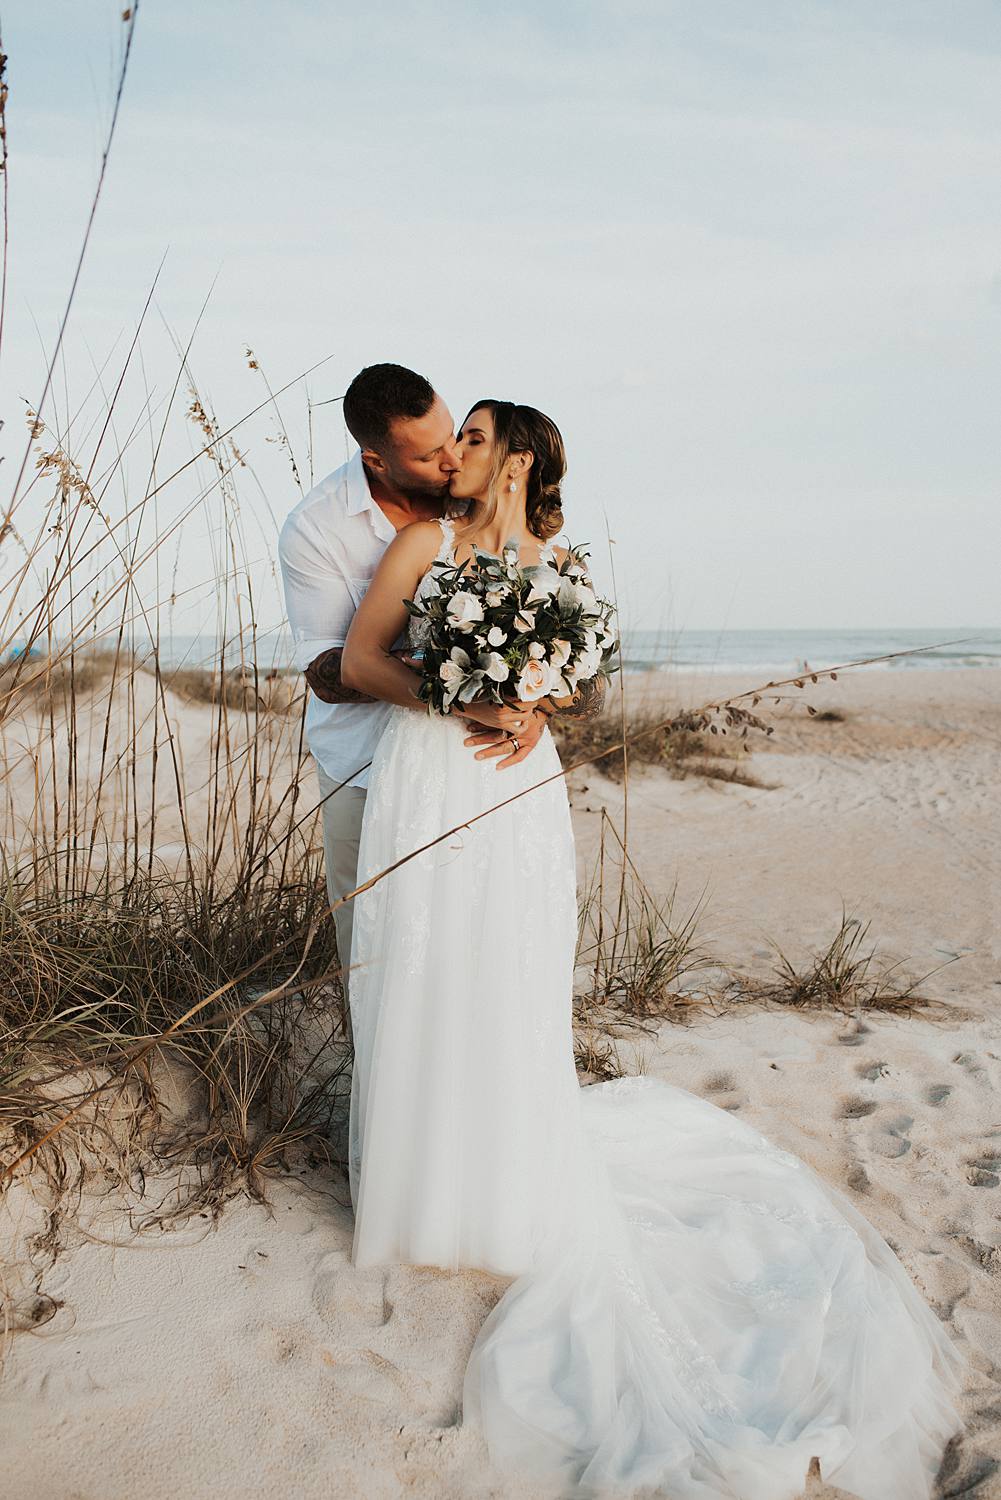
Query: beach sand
[{"x": 247, "y": 1357}]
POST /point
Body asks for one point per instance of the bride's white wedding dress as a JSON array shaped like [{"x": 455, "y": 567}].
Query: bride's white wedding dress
[{"x": 692, "y": 1309}]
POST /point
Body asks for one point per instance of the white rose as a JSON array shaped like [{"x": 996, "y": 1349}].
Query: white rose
[
  {"x": 536, "y": 651},
  {"x": 587, "y": 664},
  {"x": 545, "y": 582},
  {"x": 495, "y": 666},
  {"x": 559, "y": 654},
  {"x": 495, "y": 636},
  {"x": 587, "y": 599},
  {"x": 536, "y": 681},
  {"x": 464, "y": 610},
  {"x": 496, "y": 596},
  {"x": 525, "y": 620},
  {"x": 511, "y": 552}
]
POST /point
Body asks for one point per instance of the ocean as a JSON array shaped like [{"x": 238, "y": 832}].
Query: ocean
[
  {"x": 775, "y": 652},
  {"x": 768, "y": 652}
]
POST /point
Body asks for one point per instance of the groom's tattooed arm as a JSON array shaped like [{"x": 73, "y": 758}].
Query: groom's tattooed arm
[
  {"x": 586, "y": 703},
  {"x": 324, "y": 677}
]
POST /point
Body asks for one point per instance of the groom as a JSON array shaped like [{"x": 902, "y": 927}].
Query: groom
[{"x": 329, "y": 548}]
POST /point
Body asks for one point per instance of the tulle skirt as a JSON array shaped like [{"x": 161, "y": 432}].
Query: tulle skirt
[{"x": 692, "y": 1309}]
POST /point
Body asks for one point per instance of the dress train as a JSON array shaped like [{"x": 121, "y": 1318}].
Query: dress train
[{"x": 691, "y": 1307}]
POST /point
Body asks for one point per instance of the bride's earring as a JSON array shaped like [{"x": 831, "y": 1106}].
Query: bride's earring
[{"x": 512, "y": 486}]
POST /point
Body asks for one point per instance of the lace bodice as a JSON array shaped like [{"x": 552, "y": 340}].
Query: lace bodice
[{"x": 418, "y": 630}]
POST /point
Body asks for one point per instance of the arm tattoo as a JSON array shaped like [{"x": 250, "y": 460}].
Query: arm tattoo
[
  {"x": 324, "y": 677},
  {"x": 587, "y": 701}
]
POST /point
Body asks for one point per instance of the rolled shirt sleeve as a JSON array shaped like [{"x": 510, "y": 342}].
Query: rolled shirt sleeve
[{"x": 319, "y": 602}]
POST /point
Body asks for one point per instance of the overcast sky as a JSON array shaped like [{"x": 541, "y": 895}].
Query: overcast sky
[{"x": 747, "y": 255}]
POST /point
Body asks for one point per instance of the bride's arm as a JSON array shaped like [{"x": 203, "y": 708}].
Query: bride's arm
[{"x": 367, "y": 663}]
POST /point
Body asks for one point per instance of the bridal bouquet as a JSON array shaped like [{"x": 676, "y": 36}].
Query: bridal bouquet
[{"x": 500, "y": 631}]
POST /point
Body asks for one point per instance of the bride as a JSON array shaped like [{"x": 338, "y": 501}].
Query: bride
[{"x": 690, "y": 1307}]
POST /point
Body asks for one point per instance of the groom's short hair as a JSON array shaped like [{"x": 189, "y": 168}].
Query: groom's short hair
[{"x": 377, "y": 396}]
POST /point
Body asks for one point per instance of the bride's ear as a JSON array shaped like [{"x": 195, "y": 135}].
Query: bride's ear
[{"x": 519, "y": 465}]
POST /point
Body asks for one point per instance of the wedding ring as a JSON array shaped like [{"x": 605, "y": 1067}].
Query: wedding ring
[{"x": 515, "y": 743}]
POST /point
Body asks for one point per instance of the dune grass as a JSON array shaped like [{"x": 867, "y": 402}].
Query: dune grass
[
  {"x": 678, "y": 749},
  {"x": 846, "y": 976}
]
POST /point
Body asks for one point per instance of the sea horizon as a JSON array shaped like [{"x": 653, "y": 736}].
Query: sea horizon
[{"x": 786, "y": 650}]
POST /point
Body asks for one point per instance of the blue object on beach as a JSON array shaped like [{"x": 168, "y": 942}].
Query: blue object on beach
[{"x": 19, "y": 649}]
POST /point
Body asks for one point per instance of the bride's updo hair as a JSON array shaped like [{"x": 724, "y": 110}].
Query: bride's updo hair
[{"x": 524, "y": 429}]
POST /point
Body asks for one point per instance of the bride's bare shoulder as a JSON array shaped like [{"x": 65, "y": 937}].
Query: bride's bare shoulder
[
  {"x": 417, "y": 539},
  {"x": 421, "y": 531}
]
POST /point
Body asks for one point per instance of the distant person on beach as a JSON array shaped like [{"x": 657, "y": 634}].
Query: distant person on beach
[{"x": 329, "y": 547}]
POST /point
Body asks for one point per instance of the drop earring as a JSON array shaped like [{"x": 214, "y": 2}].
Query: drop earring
[{"x": 512, "y": 486}]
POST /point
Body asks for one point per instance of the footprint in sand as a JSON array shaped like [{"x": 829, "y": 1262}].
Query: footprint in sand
[
  {"x": 891, "y": 1139},
  {"x": 944, "y": 1277},
  {"x": 854, "y": 1034},
  {"x": 963, "y": 1470},
  {"x": 854, "y": 1107},
  {"x": 871, "y": 1071},
  {"x": 857, "y": 1178},
  {"x": 987, "y": 1257},
  {"x": 936, "y": 1093},
  {"x": 724, "y": 1085},
  {"x": 982, "y": 1170},
  {"x": 971, "y": 1063},
  {"x": 349, "y": 1299}
]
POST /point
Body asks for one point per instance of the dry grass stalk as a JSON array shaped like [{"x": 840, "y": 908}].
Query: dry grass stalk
[
  {"x": 679, "y": 749},
  {"x": 639, "y": 964},
  {"x": 843, "y": 977}
]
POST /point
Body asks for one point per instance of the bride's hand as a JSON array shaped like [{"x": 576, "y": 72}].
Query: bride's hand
[{"x": 515, "y": 746}]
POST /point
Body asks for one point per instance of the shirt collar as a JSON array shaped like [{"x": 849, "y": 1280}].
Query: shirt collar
[{"x": 358, "y": 497}]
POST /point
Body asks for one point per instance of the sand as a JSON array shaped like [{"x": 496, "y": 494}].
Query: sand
[{"x": 248, "y": 1357}]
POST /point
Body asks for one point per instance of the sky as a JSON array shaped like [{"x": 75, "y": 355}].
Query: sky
[{"x": 747, "y": 256}]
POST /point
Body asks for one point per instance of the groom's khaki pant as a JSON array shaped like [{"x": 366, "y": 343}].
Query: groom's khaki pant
[{"x": 342, "y": 815}]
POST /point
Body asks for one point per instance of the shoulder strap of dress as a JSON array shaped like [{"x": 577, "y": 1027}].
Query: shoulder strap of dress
[{"x": 445, "y": 551}]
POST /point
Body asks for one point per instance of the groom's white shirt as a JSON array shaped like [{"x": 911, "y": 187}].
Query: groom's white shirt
[{"x": 329, "y": 547}]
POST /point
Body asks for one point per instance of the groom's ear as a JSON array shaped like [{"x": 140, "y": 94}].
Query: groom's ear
[{"x": 371, "y": 460}]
